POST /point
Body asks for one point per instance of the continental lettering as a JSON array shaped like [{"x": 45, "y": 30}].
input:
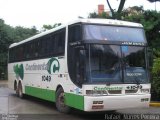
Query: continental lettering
[
  {"x": 107, "y": 88},
  {"x": 35, "y": 66}
]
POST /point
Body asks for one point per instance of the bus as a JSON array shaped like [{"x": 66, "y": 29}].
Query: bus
[{"x": 87, "y": 64}]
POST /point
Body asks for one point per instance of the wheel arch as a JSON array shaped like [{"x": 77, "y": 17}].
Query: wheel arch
[{"x": 59, "y": 86}]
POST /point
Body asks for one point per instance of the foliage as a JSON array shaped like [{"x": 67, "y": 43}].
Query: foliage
[
  {"x": 95, "y": 15},
  {"x": 9, "y": 35},
  {"x": 156, "y": 68},
  {"x": 117, "y": 14},
  {"x": 22, "y": 33},
  {"x": 156, "y": 79},
  {"x": 48, "y": 27}
]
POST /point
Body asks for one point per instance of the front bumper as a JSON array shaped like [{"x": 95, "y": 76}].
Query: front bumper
[{"x": 107, "y": 103}]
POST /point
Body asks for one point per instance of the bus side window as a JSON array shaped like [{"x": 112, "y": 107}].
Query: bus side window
[
  {"x": 27, "y": 50},
  {"x": 52, "y": 44},
  {"x": 21, "y": 53},
  {"x": 24, "y": 51},
  {"x": 74, "y": 33},
  {"x": 80, "y": 66},
  {"x": 49, "y": 45},
  {"x": 43, "y": 49},
  {"x": 31, "y": 50},
  {"x": 61, "y": 42},
  {"x": 37, "y": 47},
  {"x": 76, "y": 63},
  {"x": 17, "y": 53},
  {"x": 56, "y": 38}
]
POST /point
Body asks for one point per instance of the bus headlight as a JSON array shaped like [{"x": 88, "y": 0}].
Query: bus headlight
[{"x": 145, "y": 91}]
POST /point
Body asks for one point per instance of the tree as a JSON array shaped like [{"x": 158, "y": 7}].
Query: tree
[
  {"x": 48, "y": 27},
  {"x": 22, "y": 33},
  {"x": 95, "y": 15},
  {"x": 117, "y": 14},
  {"x": 9, "y": 35},
  {"x": 156, "y": 79}
]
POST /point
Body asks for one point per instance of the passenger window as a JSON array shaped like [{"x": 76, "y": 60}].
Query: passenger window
[
  {"x": 61, "y": 42},
  {"x": 74, "y": 33}
]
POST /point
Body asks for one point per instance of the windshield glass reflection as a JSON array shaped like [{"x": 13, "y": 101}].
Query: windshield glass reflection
[
  {"x": 134, "y": 64},
  {"x": 104, "y": 63},
  {"x": 116, "y": 64},
  {"x": 114, "y": 33}
]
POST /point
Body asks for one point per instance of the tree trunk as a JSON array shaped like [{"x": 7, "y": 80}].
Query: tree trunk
[
  {"x": 112, "y": 11},
  {"x": 116, "y": 15},
  {"x": 120, "y": 8}
]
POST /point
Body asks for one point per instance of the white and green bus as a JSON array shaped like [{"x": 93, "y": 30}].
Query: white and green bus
[{"x": 88, "y": 64}]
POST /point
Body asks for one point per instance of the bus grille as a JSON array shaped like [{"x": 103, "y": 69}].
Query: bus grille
[
  {"x": 114, "y": 91},
  {"x": 130, "y": 91}
]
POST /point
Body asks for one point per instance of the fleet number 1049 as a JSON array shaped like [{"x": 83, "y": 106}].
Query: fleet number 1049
[{"x": 46, "y": 78}]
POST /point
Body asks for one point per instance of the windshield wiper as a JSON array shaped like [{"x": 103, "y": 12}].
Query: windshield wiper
[{"x": 136, "y": 80}]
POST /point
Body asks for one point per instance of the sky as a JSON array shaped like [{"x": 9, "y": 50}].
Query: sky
[{"x": 28, "y": 13}]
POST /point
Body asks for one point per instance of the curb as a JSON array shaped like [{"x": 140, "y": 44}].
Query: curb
[{"x": 155, "y": 104}]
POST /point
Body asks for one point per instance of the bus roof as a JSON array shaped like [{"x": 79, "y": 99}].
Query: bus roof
[
  {"x": 89, "y": 21},
  {"x": 107, "y": 22}
]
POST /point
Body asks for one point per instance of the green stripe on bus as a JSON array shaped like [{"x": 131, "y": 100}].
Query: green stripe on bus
[
  {"x": 75, "y": 101},
  {"x": 72, "y": 100},
  {"x": 45, "y": 94}
]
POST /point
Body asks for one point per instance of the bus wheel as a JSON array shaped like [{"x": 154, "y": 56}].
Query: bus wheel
[
  {"x": 60, "y": 101},
  {"x": 15, "y": 87},
  {"x": 20, "y": 91}
]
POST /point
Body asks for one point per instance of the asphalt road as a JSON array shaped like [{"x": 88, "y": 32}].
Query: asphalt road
[{"x": 30, "y": 108}]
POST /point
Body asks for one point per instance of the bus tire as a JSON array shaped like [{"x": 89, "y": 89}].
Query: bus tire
[
  {"x": 16, "y": 87},
  {"x": 60, "y": 101},
  {"x": 20, "y": 90}
]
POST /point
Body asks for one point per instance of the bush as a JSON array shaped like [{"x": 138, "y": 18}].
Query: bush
[{"x": 156, "y": 80}]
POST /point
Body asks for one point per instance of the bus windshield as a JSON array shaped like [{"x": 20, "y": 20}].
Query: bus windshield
[
  {"x": 102, "y": 56},
  {"x": 114, "y": 33},
  {"x": 116, "y": 64}
]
